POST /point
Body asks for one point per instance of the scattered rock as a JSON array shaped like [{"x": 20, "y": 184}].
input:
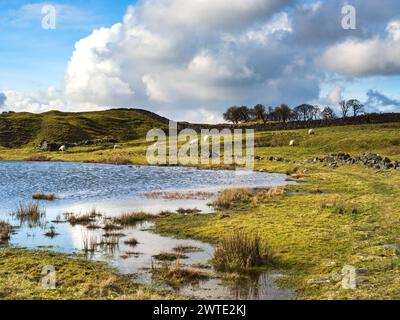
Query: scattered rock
[
  {"x": 319, "y": 280},
  {"x": 371, "y": 160}
]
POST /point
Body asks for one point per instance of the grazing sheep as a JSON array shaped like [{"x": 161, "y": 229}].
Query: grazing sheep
[
  {"x": 62, "y": 148},
  {"x": 117, "y": 146},
  {"x": 292, "y": 143},
  {"x": 311, "y": 132}
]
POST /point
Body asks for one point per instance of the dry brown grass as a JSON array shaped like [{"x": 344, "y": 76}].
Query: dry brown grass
[
  {"x": 131, "y": 242},
  {"x": 5, "y": 231},
  {"x": 241, "y": 250},
  {"x": 169, "y": 256},
  {"x": 196, "y": 195},
  {"x": 132, "y": 218},
  {"x": 83, "y": 219},
  {"x": 29, "y": 213},
  {"x": 38, "y": 157},
  {"x": 229, "y": 197},
  {"x": 42, "y": 196},
  {"x": 340, "y": 206},
  {"x": 187, "y": 249},
  {"x": 177, "y": 275},
  {"x": 188, "y": 211},
  {"x": 117, "y": 160},
  {"x": 271, "y": 192}
]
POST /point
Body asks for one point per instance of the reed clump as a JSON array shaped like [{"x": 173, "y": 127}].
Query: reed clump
[
  {"x": 5, "y": 231},
  {"x": 43, "y": 196},
  {"x": 177, "y": 275},
  {"x": 29, "y": 213},
  {"x": 52, "y": 233},
  {"x": 241, "y": 250},
  {"x": 131, "y": 242},
  {"x": 228, "y": 197},
  {"x": 169, "y": 256},
  {"x": 132, "y": 218},
  {"x": 38, "y": 157}
]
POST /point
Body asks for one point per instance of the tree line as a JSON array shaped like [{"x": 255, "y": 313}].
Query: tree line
[{"x": 283, "y": 113}]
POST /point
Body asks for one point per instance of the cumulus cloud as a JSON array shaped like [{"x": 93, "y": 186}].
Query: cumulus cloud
[
  {"x": 379, "y": 102},
  {"x": 42, "y": 101},
  {"x": 375, "y": 56},
  {"x": 190, "y": 60},
  {"x": 171, "y": 55}
]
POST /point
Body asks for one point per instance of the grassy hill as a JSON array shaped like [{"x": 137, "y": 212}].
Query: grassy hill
[{"x": 20, "y": 129}]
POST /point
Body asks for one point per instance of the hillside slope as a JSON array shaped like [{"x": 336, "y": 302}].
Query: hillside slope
[{"x": 19, "y": 129}]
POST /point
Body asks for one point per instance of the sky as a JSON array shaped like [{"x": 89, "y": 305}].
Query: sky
[{"x": 190, "y": 60}]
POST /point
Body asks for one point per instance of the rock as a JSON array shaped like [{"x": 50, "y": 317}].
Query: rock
[
  {"x": 390, "y": 247},
  {"x": 319, "y": 280},
  {"x": 336, "y": 277}
]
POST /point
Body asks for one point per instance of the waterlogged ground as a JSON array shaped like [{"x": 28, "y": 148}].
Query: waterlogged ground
[{"x": 114, "y": 190}]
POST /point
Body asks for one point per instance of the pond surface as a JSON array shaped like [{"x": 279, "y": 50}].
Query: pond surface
[{"x": 114, "y": 190}]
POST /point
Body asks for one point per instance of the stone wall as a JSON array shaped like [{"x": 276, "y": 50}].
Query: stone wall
[{"x": 293, "y": 125}]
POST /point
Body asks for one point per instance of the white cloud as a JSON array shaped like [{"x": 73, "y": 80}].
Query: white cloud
[
  {"x": 160, "y": 56},
  {"x": 190, "y": 60},
  {"x": 42, "y": 101},
  {"x": 335, "y": 95},
  {"x": 374, "y": 56}
]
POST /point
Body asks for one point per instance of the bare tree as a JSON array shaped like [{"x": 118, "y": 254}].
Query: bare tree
[
  {"x": 260, "y": 113},
  {"x": 356, "y": 106},
  {"x": 344, "y": 107},
  {"x": 284, "y": 112},
  {"x": 328, "y": 113}
]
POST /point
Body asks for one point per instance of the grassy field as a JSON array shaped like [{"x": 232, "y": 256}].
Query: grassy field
[
  {"x": 76, "y": 279},
  {"x": 334, "y": 217}
]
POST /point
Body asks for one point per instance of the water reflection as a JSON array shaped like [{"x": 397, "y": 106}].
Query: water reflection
[{"x": 114, "y": 190}]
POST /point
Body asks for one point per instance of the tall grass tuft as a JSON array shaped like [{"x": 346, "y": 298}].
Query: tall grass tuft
[
  {"x": 29, "y": 213},
  {"x": 132, "y": 218},
  {"x": 89, "y": 243},
  {"x": 241, "y": 250},
  {"x": 5, "y": 231},
  {"x": 230, "y": 196}
]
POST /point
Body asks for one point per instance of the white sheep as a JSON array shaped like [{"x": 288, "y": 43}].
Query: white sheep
[
  {"x": 311, "y": 132},
  {"x": 117, "y": 146},
  {"x": 292, "y": 143},
  {"x": 62, "y": 148}
]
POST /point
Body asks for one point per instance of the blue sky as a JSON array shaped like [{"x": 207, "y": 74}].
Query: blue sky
[
  {"x": 33, "y": 58},
  {"x": 190, "y": 60}
]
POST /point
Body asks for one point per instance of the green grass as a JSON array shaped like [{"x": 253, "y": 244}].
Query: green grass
[
  {"x": 27, "y": 129},
  {"x": 20, "y": 273},
  {"x": 332, "y": 218}
]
